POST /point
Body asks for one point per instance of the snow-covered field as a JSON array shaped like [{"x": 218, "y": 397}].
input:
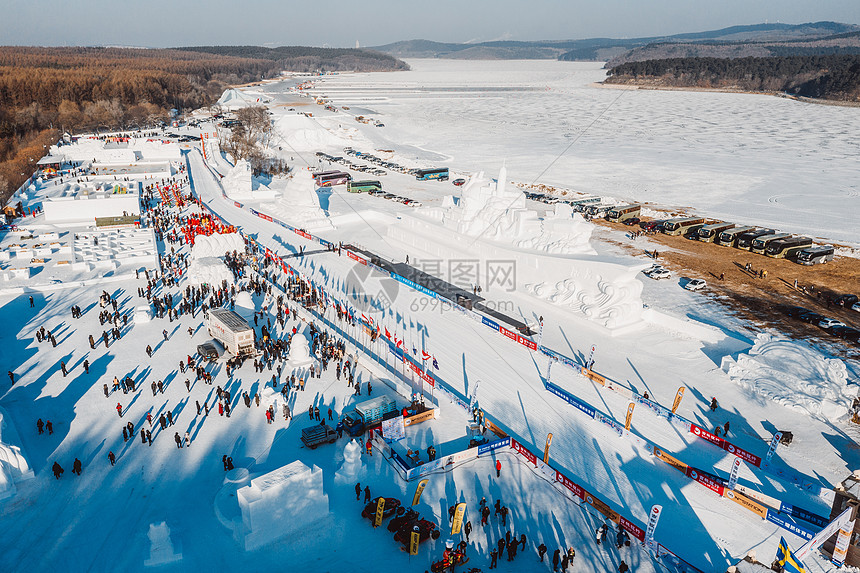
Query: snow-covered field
[
  {"x": 748, "y": 158},
  {"x": 473, "y": 116}
]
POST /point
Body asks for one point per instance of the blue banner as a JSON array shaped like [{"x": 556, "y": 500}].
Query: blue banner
[
  {"x": 494, "y": 446},
  {"x": 776, "y": 518},
  {"x": 570, "y": 399},
  {"x": 489, "y": 323},
  {"x": 803, "y": 514}
]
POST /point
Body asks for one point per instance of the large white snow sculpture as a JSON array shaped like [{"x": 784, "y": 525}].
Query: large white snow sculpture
[
  {"x": 13, "y": 465},
  {"x": 795, "y": 375},
  {"x": 217, "y": 245},
  {"x": 240, "y": 184},
  {"x": 352, "y": 469},
  {"x": 245, "y": 306},
  {"x": 300, "y": 352},
  {"x": 280, "y": 503},
  {"x": 208, "y": 270},
  {"x": 161, "y": 550},
  {"x": 299, "y": 203}
]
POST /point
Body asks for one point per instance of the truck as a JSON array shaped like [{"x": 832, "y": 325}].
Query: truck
[
  {"x": 318, "y": 435},
  {"x": 368, "y": 414},
  {"x": 231, "y": 330}
]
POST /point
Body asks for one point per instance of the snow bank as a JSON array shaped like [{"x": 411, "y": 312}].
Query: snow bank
[
  {"x": 216, "y": 245},
  {"x": 302, "y": 133},
  {"x": 142, "y": 315},
  {"x": 245, "y": 306},
  {"x": 233, "y": 99},
  {"x": 795, "y": 375},
  {"x": 13, "y": 465},
  {"x": 281, "y": 503},
  {"x": 208, "y": 270}
]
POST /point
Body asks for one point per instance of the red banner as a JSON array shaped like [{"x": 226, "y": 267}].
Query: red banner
[
  {"x": 563, "y": 480},
  {"x": 355, "y": 257},
  {"x": 632, "y": 528},
  {"x": 427, "y": 377},
  {"x": 524, "y": 452},
  {"x": 742, "y": 454},
  {"x": 526, "y": 342},
  {"x": 303, "y": 234},
  {"x": 706, "y": 435},
  {"x": 508, "y": 333},
  {"x": 705, "y": 480},
  {"x": 264, "y": 217}
]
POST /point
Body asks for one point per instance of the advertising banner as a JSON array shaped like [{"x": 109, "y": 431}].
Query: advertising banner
[
  {"x": 746, "y": 502},
  {"x": 706, "y": 435},
  {"x": 678, "y": 396},
  {"x": 458, "y": 518},
  {"x": 634, "y": 529},
  {"x": 393, "y": 429},
  {"x": 418, "y": 418},
  {"x": 490, "y": 323},
  {"x": 414, "y": 540},
  {"x": 774, "y": 442},
  {"x": 784, "y": 523},
  {"x": 355, "y": 257},
  {"x": 572, "y": 486},
  {"x": 653, "y": 518},
  {"x": 546, "y": 448},
  {"x": 823, "y": 535},
  {"x": 523, "y": 451},
  {"x": 629, "y": 416},
  {"x": 706, "y": 480},
  {"x": 494, "y": 446},
  {"x": 380, "y": 509},
  {"x": 600, "y": 506},
  {"x": 733, "y": 477},
  {"x": 841, "y": 549},
  {"x": 580, "y": 405},
  {"x": 419, "y": 489}
]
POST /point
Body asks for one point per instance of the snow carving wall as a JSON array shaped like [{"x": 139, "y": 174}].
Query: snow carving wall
[
  {"x": 208, "y": 270},
  {"x": 240, "y": 184},
  {"x": 299, "y": 203},
  {"x": 795, "y": 375},
  {"x": 216, "y": 245},
  {"x": 13, "y": 465},
  {"x": 280, "y": 503}
]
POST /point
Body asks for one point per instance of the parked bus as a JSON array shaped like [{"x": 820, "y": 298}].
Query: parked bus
[
  {"x": 815, "y": 255},
  {"x": 710, "y": 233},
  {"x": 760, "y": 244},
  {"x": 579, "y": 204},
  {"x": 316, "y": 174},
  {"x": 620, "y": 214},
  {"x": 440, "y": 174},
  {"x": 597, "y": 210},
  {"x": 746, "y": 239},
  {"x": 729, "y": 237},
  {"x": 682, "y": 225},
  {"x": 361, "y": 186},
  {"x": 332, "y": 179},
  {"x": 786, "y": 248}
]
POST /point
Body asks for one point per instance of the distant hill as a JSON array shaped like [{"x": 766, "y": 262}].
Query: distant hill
[
  {"x": 308, "y": 59},
  {"x": 616, "y": 50}
]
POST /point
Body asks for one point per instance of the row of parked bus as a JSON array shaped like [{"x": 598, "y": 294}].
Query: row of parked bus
[{"x": 768, "y": 242}]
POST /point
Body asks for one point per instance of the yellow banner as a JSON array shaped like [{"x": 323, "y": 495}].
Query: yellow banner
[
  {"x": 413, "y": 542},
  {"x": 743, "y": 500},
  {"x": 678, "y": 396},
  {"x": 594, "y": 376},
  {"x": 418, "y": 491},
  {"x": 459, "y": 511},
  {"x": 380, "y": 509},
  {"x": 677, "y": 464},
  {"x": 629, "y": 416},
  {"x": 546, "y": 448},
  {"x": 418, "y": 418}
]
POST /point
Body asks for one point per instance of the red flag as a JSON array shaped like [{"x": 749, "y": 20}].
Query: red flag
[
  {"x": 424, "y": 355},
  {"x": 387, "y": 334},
  {"x": 398, "y": 343}
]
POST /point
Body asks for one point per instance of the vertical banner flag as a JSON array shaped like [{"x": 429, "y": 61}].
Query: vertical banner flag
[
  {"x": 546, "y": 448},
  {"x": 418, "y": 491},
  {"x": 774, "y": 442},
  {"x": 548, "y": 368},
  {"x": 653, "y": 518},
  {"x": 540, "y": 334},
  {"x": 678, "y": 396},
  {"x": 474, "y": 397},
  {"x": 380, "y": 509},
  {"x": 629, "y": 416},
  {"x": 733, "y": 477},
  {"x": 786, "y": 558},
  {"x": 414, "y": 539},
  {"x": 841, "y": 549},
  {"x": 590, "y": 362},
  {"x": 458, "y": 518}
]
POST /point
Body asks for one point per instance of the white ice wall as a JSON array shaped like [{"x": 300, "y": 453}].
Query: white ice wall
[{"x": 86, "y": 209}]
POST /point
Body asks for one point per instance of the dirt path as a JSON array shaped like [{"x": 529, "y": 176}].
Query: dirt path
[{"x": 756, "y": 298}]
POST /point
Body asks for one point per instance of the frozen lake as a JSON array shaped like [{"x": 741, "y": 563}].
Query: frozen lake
[{"x": 748, "y": 158}]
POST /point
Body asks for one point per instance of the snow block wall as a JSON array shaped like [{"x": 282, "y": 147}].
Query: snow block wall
[
  {"x": 209, "y": 270},
  {"x": 795, "y": 375},
  {"x": 217, "y": 245},
  {"x": 279, "y": 503}
]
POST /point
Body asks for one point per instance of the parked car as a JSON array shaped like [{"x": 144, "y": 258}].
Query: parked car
[
  {"x": 826, "y": 323},
  {"x": 846, "y": 300},
  {"x": 695, "y": 284},
  {"x": 856, "y": 307},
  {"x": 652, "y": 268},
  {"x": 660, "y": 274},
  {"x": 794, "y": 310},
  {"x": 651, "y": 225},
  {"x": 811, "y": 317},
  {"x": 208, "y": 350},
  {"x": 459, "y": 182},
  {"x": 632, "y": 221},
  {"x": 845, "y": 332}
]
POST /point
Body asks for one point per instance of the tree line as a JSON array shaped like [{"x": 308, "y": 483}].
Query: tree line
[
  {"x": 833, "y": 77},
  {"x": 45, "y": 91}
]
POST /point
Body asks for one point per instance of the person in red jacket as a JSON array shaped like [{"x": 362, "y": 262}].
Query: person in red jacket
[
  {"x": 498, "y": 468},
  {"x": 369, "y": 448},
  {"x": 119, "y": 409}
]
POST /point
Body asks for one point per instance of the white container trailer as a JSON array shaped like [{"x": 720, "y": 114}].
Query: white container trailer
[{"x": 231, "y": 330}]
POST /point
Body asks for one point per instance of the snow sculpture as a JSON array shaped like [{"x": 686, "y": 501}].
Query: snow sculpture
[
  {"x": 237, "y": 183},
  {"x": 299, "y": 204},
  {"x": 795, "y": 375},
  {"x": 209, "y": 270},
  {"x": 495, "y": 212},
  {"x": 300, "y": 353},
  {"x": 352, "y": 469},
  {"x": 13, "y": 465},
  {"x": 281, "y": 503},
  {"x": 161, "y": 550},
  {"x": 245, "y": 306},
  {"x": 142, "y": 315},
  {"x": 217, "y": 245}
]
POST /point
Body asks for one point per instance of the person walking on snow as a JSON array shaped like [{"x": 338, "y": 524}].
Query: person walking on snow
[
  {"x": 555, "y": 559},
  {"x": 367, "y": 494},
  {"x": 112, "y": 458},
  {"x": 77, "y": 467},
  {"x": 357, "y": 491},
  {"x": 178, "y": 440},
  {"x": 40, "y": 425},
  {"x": 714, "y": 404},
  {"x": 57, "y": 469},
  {"x": 119, "y": 409},
  {"x": 541, "y": 551},
  {"x": 498, "y": 468}
]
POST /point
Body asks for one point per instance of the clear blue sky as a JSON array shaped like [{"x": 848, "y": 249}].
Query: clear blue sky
[{"x": 340, "y": 23}]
